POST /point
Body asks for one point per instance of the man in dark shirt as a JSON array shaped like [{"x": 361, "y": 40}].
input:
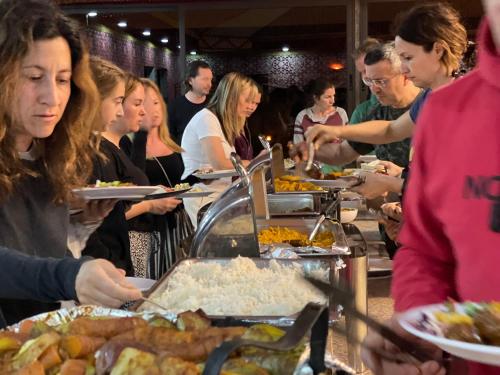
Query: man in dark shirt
[{"x": 180, "y": 110}]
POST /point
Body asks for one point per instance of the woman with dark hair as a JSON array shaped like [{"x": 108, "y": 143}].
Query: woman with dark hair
[
  {"x": 430, "y": 41},
  {"x": 451, "y": 236},
  {"x": 47, "y": 111},
  {"x": 321, "y": 110}
]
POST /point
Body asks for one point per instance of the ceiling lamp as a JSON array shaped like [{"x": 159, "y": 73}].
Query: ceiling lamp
[
  {"x": 92, "y": 13},
  {"x": 122, "y": 24},
  {"x": 192, "y": 52},
  {"x": 146, "y": 32},
  {"x": 285, "y": 48},
  {"x": 164, "y": 40}
]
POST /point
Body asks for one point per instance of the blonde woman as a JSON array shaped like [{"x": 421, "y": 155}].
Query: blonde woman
[
  {"x": 209, "y": 137},
  {"x": 154, "y": 151},
  {"x": 144, "y": 239}
]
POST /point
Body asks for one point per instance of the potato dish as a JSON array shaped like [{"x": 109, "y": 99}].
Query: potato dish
[
  {"x": 133, "y": 345},
  {"x": 274, "y": 235},
  {"x": 294, "y": 183}
]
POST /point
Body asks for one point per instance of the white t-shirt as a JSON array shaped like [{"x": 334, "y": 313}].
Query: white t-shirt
[{"x": 203, "y": 124}]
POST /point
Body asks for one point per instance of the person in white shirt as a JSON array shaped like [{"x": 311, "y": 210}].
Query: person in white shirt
[{"x": 209, "y": 137}]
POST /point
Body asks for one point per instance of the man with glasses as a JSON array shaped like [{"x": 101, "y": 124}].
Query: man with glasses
[{"x": 395, "y": 95}]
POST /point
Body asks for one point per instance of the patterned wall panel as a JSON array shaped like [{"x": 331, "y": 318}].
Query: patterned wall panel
[{"x": 281, "y": 69}]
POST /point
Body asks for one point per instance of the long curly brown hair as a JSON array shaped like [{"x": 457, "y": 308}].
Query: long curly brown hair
[{"x": 67, "y": 153}]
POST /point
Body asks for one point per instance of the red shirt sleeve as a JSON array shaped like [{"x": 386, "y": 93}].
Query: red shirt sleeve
[{"x": 424, "y": 266}]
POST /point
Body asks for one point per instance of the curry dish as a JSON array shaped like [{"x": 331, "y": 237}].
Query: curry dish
[{"x": 274, "y": 235}]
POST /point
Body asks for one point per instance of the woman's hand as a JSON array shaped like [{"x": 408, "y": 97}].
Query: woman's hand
[
  {"x": 93, "y": 211},
  {"x": 321, "y": 134},
  {"x": 391, "y": 169},
  {"x": 376, "y": 185},
  {"x": 392, "y": 229},
  {"x": 380, "y": 366},
  {"x": 163, "y": 205},
  {"x": 298, "y": 152},
  {"x": 100, "y": 283},
  {"x": 393, "y": 210}
]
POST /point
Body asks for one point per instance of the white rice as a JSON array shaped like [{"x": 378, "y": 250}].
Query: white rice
[{"x": 240, "y": 288}]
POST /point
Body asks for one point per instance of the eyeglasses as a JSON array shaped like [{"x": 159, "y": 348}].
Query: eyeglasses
[{"x": 377, "y": 82}]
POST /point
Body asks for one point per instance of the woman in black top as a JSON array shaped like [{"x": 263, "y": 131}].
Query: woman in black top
[
  {"x": 110, "y": 240},
  {"x": 155, "y": 152},
  {"x": 47, "y": 108},
  {"x": 140, "y": 217},
  {"x": 122, "y": 96}
]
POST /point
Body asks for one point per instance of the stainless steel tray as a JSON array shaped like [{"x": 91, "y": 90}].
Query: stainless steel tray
[
  {"x": 305, "y": 225},
  {"x": 308, "y": 265},
  {"x": 294, "y": 205}
]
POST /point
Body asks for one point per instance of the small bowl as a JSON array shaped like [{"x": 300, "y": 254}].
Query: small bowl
[{"x": 348, "y": 215}]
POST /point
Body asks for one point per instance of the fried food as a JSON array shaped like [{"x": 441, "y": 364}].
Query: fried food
[
  {"x": 123, "y": 346},
  {"x": 79, "y": 346},
  {"x": 104, "y": 327}
]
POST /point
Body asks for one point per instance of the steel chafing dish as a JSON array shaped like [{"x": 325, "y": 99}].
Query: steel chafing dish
[
  {"x": 308, "y": 266},
  {"x": 231, "y": 225}
]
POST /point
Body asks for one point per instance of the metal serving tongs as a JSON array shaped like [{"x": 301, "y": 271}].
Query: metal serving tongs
[
  {"x": 264, "y": 142},
  {"x": 316, "y": 227},
  {"x": 313, "y": 317},
  {"x": 345, "y": 297},
  {"x": 238, "y": 165},
  {"x": 310, "y": 157},
  {"x": 309, "y": 168}
]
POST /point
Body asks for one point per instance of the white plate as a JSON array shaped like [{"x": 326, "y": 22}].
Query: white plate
[
  {"x": 222, "y": 173},
  {"x": 486, "y": 354},
  {"x": 117, "y": 192}
]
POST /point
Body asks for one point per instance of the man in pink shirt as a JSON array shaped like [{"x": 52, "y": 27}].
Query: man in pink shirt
[{"x": 451, "y": 237}]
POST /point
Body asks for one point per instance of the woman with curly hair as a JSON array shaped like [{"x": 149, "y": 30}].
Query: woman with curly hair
[{"x": 47, "y": 111}]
